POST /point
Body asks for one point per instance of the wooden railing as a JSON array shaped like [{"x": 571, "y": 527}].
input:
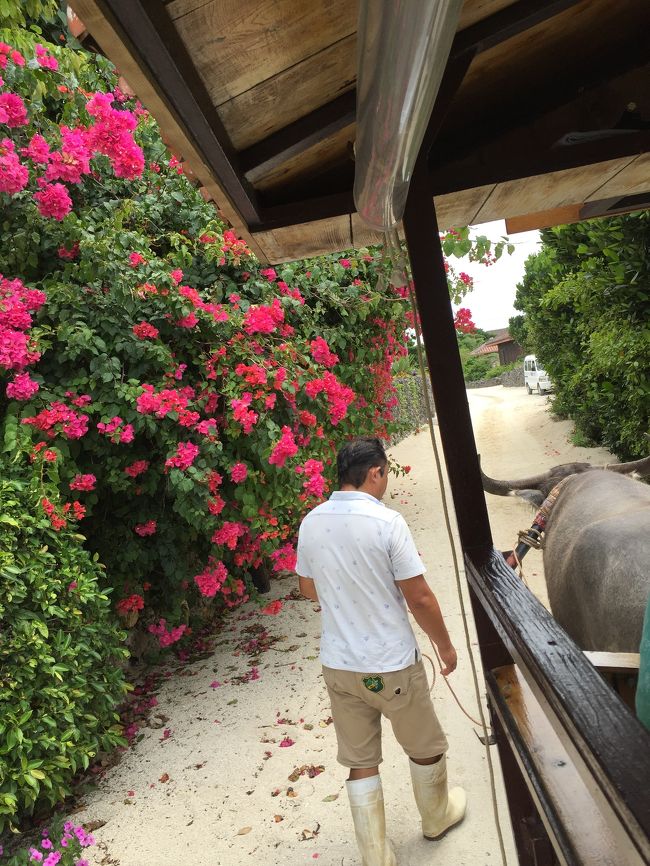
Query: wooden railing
[{"x": 583, "y": 757}]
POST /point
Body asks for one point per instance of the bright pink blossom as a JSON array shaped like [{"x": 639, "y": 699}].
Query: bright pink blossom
[
  {"x": 136, "y": 259},
  {"x": 38, "y": 150},
  {"x": 167, "y": 637},
  {"x": 238, "y": 473},
  {"x": 284, "y": 558},
  {"x": 286, "y": 447},
  {"x": 12, "y": 110},
  {"x": 53, "y": 201},
  {"x": 59, "y": 418},
  {"x": 83, "y": 482},
  {"x": 73, "y": 160},
  {"x": 22, "y": 387},
  {"x": 212, "y": 578},
  {"x": 145, "y": 331},
  {"x": 263, "y": 319},
  {"x": 321, "y": 353},
  {"x": 45, "y": 59},
  {"x": 13, "y": 174},
  {"x": 144, "y": 529},
  {"x": 269, "y": 273},
  {"x": 137, "y": 468},
  {"x": 242, "y": 414},
  {"x": 228, "y": 534},
  {"x": 186, "y": 454}
]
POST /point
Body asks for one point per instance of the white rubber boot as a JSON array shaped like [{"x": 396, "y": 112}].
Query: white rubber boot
[
  {"x": 367, "y": 805},
  {"x": 439, "y": 808}
]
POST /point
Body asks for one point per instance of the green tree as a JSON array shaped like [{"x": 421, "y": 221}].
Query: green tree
[{"x": 586, "y": 300}]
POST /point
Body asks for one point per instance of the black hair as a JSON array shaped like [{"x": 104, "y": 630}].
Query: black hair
[{"x": 356, "y": 457}]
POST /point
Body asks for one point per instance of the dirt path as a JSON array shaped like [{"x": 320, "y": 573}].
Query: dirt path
[{"x": 216, "y": 789}]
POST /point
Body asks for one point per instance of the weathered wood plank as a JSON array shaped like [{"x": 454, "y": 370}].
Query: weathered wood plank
[
  {"x": 316, "y": 159},
  {"x": 634, "y": 177},
  {"x": 543, "y": 219},
  {"x": 605, "y": 661},
  {"x": 291, "y": 94},
  {"x": 235, "y": 46},
  {"x": 308, "y": 239},
  {"x": 608, "y": 746},
  {"x": 555, "y": 189},
  {"x": 572, "y": 818}
]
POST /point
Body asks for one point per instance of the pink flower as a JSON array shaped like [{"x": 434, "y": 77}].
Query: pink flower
[
  {"x": 136, "y": 259},
  {"x": 238, "y": 473},
  {"x": 321, "y": 353},
  {"x": 269, "y": 273},
  {"x": 38, "y": 150},
  {"x": 229, "y": 534},
  {"x": 345, "y": 263},
  {"x": 263, "y": 319},
  {"x": 242, "y": 414},
  {"x": 190, "y": 321},
  {"x": 166, "y": 638},
  {"x": 83, "y": 482},
  {"x": 73, "y": 161},
  {"x": 47, "y": 61},
  {"x": 284, "y": 558},
  {"x": 286, "y": 447},
  {"x": 144, "y": 529},
  {"x": 137, "y": 468},
  {"x": 13, "y": 174},
  {"x": 211, "y": 579},
  {"x": 69, "y": 255},
  {"x": 12, "y": 110},
  {"x": 186, "y": 454},
  {"x": 53, "y": 201},
  {"x": 145, "y": 331},
  {"x": 17, "y": 58},
  {"x": 22, "y": 387},
  {"x": 215, "y": 684},
  {"x": 273, "y": 608},
  {"x": 284, "y": 744},
  {"x": 177, "y": 275},
  {"x": 58, "y": 417}
]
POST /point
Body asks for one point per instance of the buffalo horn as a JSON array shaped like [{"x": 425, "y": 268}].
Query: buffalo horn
[{"x": 641, "y": 467}]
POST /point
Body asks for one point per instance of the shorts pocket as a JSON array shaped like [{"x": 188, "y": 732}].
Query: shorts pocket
[{"x": 390, "y": 688}]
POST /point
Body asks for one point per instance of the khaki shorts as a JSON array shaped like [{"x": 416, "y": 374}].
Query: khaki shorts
[{"x": 404, "y": 700}]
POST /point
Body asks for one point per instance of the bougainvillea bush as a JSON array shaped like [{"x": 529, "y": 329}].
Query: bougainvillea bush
[
  {"x": 60, "y": 653},
  {"x": 183, "y": 400}
]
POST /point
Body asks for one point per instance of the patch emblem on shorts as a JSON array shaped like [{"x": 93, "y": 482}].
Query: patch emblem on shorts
[{"x": 373, "y": 684}]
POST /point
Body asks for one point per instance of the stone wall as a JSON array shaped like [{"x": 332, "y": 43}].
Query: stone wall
[
  {"x": 410, "y": 412},
  {"x": 511, "y": 379}
]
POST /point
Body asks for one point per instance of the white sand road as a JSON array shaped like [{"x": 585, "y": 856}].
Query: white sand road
[{"x": 226, "y": 798}]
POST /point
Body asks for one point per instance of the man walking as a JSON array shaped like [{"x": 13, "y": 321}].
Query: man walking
[{"x": 358, "y": 560}]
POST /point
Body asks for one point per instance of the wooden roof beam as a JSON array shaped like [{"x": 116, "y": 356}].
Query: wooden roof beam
[
  {"x": 514, "y": 164},
  {"x": 509, "y": 22},
  {"x": 281, "y": 146}
]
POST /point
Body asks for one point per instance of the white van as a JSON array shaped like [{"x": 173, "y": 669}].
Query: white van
[{"x": 535, "y": 378}]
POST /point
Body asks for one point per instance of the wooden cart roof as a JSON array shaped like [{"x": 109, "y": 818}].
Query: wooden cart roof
[{"x": 258, "y": 97}]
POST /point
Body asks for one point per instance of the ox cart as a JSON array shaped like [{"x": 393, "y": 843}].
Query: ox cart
[{"x": 535, "y": 120}]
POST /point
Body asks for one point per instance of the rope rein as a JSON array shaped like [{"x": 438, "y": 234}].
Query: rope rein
[{"x": 454, "y": 555}]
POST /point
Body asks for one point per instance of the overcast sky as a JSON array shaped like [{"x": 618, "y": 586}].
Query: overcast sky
[{"x": 494, "y": 287}]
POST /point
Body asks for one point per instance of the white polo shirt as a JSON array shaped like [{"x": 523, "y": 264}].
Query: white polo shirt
[{"x": 354, "y": 548}]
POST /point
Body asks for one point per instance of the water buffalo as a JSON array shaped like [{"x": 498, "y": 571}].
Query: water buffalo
[{"x": 596, "y": 549}]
